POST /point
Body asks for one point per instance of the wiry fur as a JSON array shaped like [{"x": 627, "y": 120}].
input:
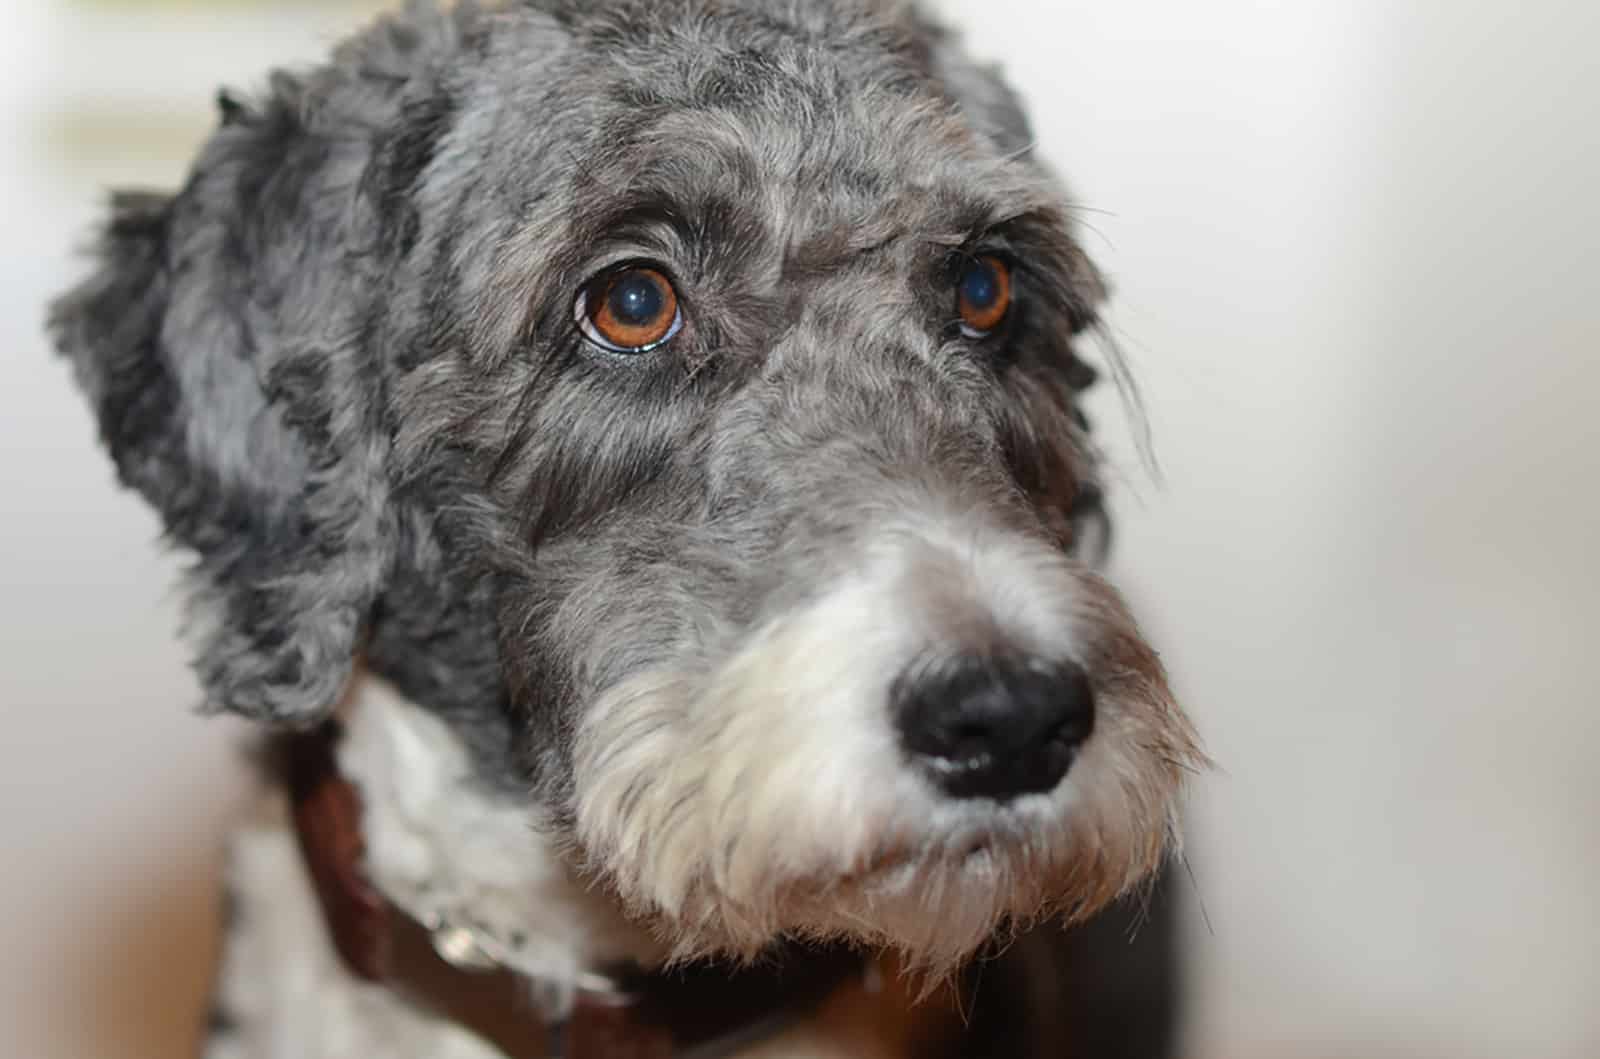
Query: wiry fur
[{"x": 658, "y": 598}]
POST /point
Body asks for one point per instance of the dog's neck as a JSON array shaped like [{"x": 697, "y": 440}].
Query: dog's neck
[{"x": 446, "y": 849}]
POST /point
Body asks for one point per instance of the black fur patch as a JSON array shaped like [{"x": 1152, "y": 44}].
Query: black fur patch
[{"x": 402, "y": 156}]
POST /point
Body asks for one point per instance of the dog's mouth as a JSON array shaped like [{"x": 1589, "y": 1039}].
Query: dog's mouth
[{"x": 973, "y": 850}]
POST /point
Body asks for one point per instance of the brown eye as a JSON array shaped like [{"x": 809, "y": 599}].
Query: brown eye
[
  {"x": 983, "y": 295},
  {"x": 630, "y": 310}
]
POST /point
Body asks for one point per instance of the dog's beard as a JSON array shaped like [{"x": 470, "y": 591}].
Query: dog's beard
[{"x": 730, "y": 804}]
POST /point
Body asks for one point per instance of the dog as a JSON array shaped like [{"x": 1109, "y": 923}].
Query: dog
[{"x": 633, "y": 459}]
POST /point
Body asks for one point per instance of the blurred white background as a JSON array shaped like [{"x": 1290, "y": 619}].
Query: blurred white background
[{"x": 1355, "y": 247}]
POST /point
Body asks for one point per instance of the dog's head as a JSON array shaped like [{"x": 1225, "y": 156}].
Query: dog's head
[{"x": 680, "y": 398}]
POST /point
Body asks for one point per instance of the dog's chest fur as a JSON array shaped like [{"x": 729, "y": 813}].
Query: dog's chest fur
[{"x": 444, "y": 851}]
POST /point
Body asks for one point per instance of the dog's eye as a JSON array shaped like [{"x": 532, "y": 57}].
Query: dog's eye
[
  {"x": 628, "y": 310},
  {"x": 983, "y": 295}
]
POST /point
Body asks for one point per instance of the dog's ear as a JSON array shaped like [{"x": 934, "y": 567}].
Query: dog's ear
[
  {"x": 979, "y": 90},
  {"x": 241, "y": 410},
  {"x": 223, "y": 343}
]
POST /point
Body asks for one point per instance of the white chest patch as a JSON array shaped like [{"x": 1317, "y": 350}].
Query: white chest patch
[
  {"x": 451, "y": 853},
  {"x": 438, "y": 846}
]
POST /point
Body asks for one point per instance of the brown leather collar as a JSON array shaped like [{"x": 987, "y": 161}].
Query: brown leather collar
[{"x": 700, "y": 1011}]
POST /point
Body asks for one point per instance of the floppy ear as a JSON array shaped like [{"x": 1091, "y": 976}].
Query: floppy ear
[
  {"x": 978, "y": 89},
  {"x": 222, "y": 342}
]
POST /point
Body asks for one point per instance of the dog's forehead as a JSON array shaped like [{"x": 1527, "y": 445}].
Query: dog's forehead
[
  {"x": 857, "y": 33},
  {"x": 878, "y": 169},
  {"x": 817, "y": 114}
]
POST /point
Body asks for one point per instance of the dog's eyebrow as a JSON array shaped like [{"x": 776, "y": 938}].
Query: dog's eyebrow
[
  {"x": 817, "y": 251},
  {"x": 645, "y": 217},
  {"x": 971, "y": 222}
]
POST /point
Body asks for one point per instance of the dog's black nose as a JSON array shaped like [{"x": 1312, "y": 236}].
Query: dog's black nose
[{"x": 995, "y": 728}]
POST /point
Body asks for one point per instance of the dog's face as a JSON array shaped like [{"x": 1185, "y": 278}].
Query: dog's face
[{"x": 695, "y": 385}]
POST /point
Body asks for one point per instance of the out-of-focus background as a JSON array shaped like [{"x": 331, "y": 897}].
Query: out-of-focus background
[{"x": 1355, "y": 248}]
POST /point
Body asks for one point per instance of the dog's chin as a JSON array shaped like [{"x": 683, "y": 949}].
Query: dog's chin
[{"x": 934, "y": 898}]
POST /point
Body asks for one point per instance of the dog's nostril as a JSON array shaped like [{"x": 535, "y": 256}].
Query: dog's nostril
[{"x": 995, "y": 728}]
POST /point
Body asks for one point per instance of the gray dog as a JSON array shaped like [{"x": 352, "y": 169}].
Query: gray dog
[{"x": 651, "y": 429}]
